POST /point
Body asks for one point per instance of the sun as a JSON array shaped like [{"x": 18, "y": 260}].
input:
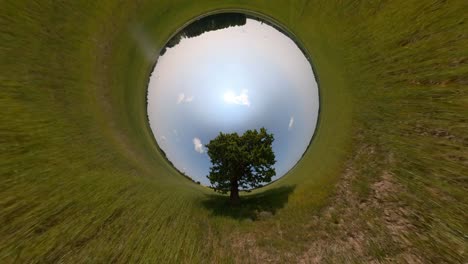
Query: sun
[{"x": 229, "y": 97}]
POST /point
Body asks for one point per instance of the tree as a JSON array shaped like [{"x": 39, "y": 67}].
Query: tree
[
  {"x": 241, "y": 161},
  {"x": 206, "y": 24}
]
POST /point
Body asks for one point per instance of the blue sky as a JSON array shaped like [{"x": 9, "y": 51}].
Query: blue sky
[{"x": 232, "y": 80}]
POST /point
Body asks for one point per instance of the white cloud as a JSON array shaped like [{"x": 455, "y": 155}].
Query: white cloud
[
  {"x": 181, "y": 98},
  {"x": 198, "y": 145},
  {"x": 291, "y": 123},
  {"x": 163, "y": 138},
  {"x": 241, "y": 99}
]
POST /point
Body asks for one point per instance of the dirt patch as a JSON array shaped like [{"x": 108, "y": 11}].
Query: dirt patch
[
  {"x": 342, "y": 236},
  {"x": 395, "y": 215},
  {"x": 353, "y": 229},
  {"x": 371, "y": 226}
]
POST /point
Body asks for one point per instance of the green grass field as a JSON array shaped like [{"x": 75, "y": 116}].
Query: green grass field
[{"x": 384, "y": 180}]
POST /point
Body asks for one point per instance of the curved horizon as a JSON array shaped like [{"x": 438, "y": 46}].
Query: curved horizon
[{"x": 232, "y": 80}]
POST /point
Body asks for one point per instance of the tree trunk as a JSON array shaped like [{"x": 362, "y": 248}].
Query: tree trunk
[{"x": 234, "y": 197}]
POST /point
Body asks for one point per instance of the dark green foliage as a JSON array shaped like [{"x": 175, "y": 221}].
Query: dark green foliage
[
  {"x": 241, "y": 161},
  {"x": 206, "y": 24},
  {"x": 214, "y": 22}
]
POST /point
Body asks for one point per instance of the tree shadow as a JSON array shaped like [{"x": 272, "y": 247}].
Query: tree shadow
[{"x": 252, "y": 206}]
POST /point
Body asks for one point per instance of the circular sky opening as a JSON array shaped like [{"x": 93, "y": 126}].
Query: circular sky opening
[{"x": 229, "y": 73}]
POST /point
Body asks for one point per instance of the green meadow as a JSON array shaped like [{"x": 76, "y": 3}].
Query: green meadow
[{"x": 384, "y": 179}]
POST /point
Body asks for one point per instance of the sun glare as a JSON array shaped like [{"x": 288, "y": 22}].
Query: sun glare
[
  {"x": 239, "y": 99},
  {"x": 229, "y": 97},
  {"x": 242, "y": 81}
]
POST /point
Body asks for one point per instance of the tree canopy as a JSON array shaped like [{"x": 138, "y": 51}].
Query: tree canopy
[
  {"x": 206, "y": 24},
  {"x": 241, "y": 161}
]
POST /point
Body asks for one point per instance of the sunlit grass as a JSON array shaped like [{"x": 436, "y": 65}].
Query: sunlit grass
[{"x": 82, "y": 181}]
